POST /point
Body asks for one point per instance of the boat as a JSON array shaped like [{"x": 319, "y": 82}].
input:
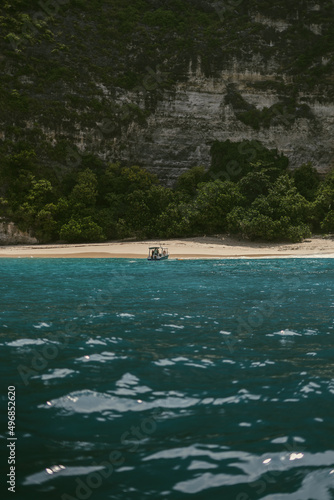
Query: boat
[{"x": 158, "y": 253}]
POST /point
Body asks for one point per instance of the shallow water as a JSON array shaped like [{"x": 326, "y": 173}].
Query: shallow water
[{"x": 203, "y": 378}]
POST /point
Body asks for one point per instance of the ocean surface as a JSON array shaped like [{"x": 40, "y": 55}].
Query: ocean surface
[{"x": 204, "y": 379}]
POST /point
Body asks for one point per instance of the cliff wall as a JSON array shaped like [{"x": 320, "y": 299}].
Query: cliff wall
[
  {"x": 180, "y": 131},
  {"x": 154, "y": 83}
]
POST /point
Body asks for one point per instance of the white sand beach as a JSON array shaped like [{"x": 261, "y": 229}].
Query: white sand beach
[{"x": 186, "y": 248}]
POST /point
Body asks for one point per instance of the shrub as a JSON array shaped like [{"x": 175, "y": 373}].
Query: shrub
[
  {"x": 81, "y": 230},
  {"x": 327, "y": 224},
  {"x": 306, "y": 180}
]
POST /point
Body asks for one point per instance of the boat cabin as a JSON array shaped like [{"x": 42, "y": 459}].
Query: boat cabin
[{"x": 158, "y": 253}]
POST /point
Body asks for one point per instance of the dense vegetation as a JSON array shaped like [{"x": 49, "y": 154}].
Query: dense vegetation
[
  {"x": 62, "y": 62},
  {"x": 248, "y": 191}
]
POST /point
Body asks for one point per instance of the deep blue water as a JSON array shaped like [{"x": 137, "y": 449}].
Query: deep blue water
[{"x": 210, "y": 379}]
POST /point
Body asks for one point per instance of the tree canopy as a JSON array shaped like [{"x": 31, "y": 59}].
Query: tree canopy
[{"x": 248, "y": 191}]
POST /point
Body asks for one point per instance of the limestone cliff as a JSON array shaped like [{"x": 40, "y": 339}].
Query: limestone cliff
[
  {"x": 180, "y": 131},
  {"x": 154, "y": 83}
]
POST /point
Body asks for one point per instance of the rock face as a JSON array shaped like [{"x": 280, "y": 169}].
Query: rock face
[
  {"x": 179, "y": 133},
  {"x": 11, "y": 235},
  {"x": 180, "y": 129},
  {"x": 199, "y": 71}
]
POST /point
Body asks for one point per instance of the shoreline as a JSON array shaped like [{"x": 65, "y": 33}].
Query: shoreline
[{"x": 219, "y": 247}]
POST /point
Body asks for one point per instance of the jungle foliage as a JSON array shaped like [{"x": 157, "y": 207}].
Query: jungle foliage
[
  {"x": 247, "y": 191},
  {"x": 58, "y": 77}
]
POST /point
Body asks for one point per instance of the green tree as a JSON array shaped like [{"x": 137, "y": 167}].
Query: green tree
[
  {"x": 233, "y": 160},
  {"x": 188, "y": 181},
  {"x": 213, "y": 202},
  {"x": 17, "y": 172},
  {"x": 175, "y": 221},
  {"x": 323, "y": 204},
  {"x": 307, "y": 181},
  {"x": 145, "y": 207},
  {"x": 46, "y": 227},
  {"x": 254, "y": 184},
  {"x": 327, "y": 224},
  {"x": 36, "y": 211},
  {"x": 84, "y": 193},
  {"x": 284, "y": 200},
  {"x": 283, "y": 214},
  {"x": 124, "y": 180},
  {"x": 80, "y": 230}
]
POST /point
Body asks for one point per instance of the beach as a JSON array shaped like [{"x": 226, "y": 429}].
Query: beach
[{"x": 219, "y": 247}]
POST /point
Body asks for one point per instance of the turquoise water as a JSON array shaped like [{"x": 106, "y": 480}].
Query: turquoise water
[{"x": 147, "y": 380}]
